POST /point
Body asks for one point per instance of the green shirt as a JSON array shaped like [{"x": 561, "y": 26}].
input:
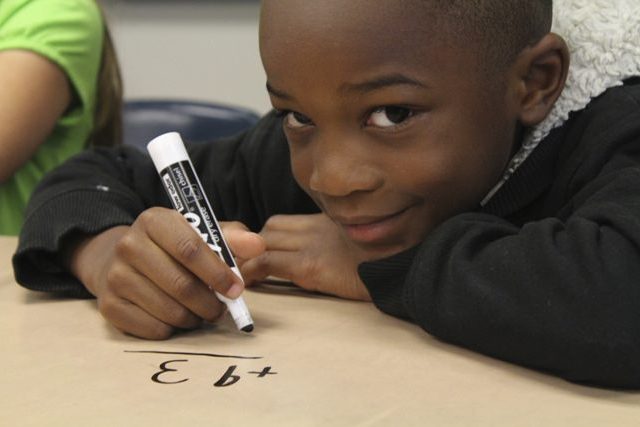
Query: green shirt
[{"x": 69, "y": 33}]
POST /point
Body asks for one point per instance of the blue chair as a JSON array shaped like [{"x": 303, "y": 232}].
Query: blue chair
[{"x": 196, "y": 121}]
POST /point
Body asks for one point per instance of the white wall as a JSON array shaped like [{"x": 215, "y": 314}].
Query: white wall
[{"x": 204, "y": 50}]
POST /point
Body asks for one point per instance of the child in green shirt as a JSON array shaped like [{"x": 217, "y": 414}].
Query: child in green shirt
[{"x": 56, "y": 64}]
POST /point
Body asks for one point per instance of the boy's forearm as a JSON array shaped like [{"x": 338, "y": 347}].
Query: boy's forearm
[{"x": 528, "y": 297}]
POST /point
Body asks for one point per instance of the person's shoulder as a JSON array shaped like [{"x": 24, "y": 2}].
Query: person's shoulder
[
  {"x": 67, "y": 32},
  {"x": 617, "y": 106},
  {"x": 47, "y": 10},
  {"x": 626, "y": 96},
  {"x": 610, "y": 122},
  {"x": 39, "y": 19},
  {"x": 629, "y": 89}
]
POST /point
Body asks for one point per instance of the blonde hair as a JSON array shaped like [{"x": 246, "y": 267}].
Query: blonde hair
[{"x": 107, "y": 125}]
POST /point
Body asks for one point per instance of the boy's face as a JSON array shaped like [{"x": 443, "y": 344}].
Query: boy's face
[{"x": 392, "y": 129}]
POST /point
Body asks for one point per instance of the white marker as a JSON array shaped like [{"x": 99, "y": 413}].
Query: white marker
[{"x": 187, "y": 197}]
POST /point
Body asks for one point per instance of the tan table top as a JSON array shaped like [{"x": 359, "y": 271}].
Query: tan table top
[{"x": 312, "y": 361}]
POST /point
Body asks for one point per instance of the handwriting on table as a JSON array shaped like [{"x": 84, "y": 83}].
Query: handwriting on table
[{"x": 168, "y": 372}]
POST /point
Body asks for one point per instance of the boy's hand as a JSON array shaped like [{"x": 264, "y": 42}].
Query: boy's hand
[
  {"x": 310, "y": 251},
  {"x": 158, "y": 276}
]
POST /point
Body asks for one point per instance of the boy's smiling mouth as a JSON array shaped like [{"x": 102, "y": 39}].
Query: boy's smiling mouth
[{"x": 372, "y": 229}]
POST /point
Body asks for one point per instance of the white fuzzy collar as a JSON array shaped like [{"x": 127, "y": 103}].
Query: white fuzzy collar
[{"x": 604, "y": 42}]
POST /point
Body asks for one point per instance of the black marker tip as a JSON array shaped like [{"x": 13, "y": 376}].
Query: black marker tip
[{"x": 248, "y": 328}]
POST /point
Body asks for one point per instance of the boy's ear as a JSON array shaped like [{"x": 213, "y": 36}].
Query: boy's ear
[{"x": 541, "y": 72}]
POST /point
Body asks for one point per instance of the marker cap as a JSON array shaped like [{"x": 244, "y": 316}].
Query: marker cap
[{"x": 166, "y": 150}]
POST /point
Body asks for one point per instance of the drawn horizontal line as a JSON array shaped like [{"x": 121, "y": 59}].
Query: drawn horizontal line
[{"x": 185, "y": 353}]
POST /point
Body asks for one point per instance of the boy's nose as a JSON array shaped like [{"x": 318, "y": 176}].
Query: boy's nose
[{"x": 339, "y": 170}]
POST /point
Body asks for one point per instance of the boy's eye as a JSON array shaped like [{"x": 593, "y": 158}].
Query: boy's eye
[
  {"x": 296, "y": 120},
  {"x": 389, "y": 116}
]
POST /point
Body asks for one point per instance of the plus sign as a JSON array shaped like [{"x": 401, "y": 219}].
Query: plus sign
[{"x": 265, "y": 371}]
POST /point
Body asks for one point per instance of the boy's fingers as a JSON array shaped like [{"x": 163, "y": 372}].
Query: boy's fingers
[
  {"x": 233, "y": 225},
  {"x": 244, "y": 244},
  {"x": 285, "y": 265},
  {"x": 189, "y": 291},
  {"x": 291, "y": 222},
  {"x": 284, "y": 240},
  {"x": 131, "y": 319},
  {"x": 179, "y": 292},
  {"x": 158, "y": 304},
  {"x": 187, "y": 247}
]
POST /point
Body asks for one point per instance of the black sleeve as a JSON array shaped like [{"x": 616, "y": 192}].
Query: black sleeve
[
  {"x": 559, "y": 293},
  {"x": 247, "y": 178}
]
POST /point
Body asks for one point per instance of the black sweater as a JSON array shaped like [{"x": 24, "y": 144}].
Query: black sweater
[{"x": 547, "y": 275}]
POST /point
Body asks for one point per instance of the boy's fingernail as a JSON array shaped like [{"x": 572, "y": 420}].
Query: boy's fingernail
[{"x": 235, "y": 291}]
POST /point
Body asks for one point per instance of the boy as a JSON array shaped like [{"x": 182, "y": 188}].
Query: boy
[{"x": 405, "y": 123}]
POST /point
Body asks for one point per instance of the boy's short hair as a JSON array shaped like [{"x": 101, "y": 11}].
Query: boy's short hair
[{"x": 503, "y": 27}]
